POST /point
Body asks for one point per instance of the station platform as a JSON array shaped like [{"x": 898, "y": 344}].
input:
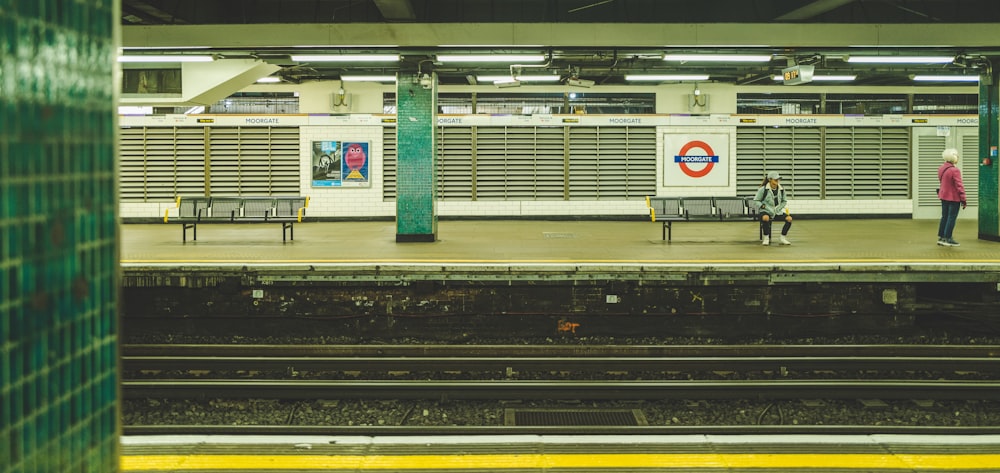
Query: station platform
[
  {"x": 512, "y": 242},
  {"x": 540, "y": 453},
  {"x": 525, "y": 276}
]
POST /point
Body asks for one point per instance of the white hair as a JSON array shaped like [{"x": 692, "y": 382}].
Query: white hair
[{"x": 950, "y": 155}]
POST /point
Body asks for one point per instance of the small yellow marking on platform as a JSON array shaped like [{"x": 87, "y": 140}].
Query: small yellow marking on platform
[{"x": 907, "y": 462}]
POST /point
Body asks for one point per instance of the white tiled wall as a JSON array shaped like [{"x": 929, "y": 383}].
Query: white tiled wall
[{"x": 344, "y": 201}]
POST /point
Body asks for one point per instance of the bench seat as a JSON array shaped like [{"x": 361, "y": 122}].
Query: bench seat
[
  {"x": 668, "y": 210},
  {"x": 194, "y": 210}
]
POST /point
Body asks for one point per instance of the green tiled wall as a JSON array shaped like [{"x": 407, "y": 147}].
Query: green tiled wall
[
  {"x": 58, "y": 237},
  {"x": 989, "y": 194},
  {"x": 416, "y": 169}
]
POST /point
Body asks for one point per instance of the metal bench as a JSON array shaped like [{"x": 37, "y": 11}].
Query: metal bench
[
  {"x": 668, "y": 210},
  {"x": 194, "y": 210}
]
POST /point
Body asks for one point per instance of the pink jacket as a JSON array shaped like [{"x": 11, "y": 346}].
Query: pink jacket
[{"x": 951, "y": 183}]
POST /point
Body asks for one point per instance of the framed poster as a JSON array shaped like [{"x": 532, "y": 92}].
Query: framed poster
[
  {"x": 340, "y": 164},
  {"x": 326, "y": 164},
  {"x": 355, "y": 168}
]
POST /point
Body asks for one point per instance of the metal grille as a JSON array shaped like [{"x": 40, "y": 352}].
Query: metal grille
[{"x": 571, "y": 417}]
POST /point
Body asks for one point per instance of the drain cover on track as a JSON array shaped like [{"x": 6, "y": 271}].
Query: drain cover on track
[{"x": 622, "y": 417}]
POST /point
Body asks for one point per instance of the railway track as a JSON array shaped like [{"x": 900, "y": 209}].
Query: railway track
[{"x": 795, "y": 372}]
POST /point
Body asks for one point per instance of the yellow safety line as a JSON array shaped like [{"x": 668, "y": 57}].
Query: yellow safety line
[
  {"x": 598, "y": 462},
  {"x": 768, "y": 262}
]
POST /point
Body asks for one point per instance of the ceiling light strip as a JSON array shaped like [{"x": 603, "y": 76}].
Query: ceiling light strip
[
  {"x": 524, "y": 78},
  {"x": 346, "y": 57},
  {"x": 717, "y": 57},
  {"x": 368, "y": 78},
  {"x": 664, "y": 77},
  {"x": 901, "y": 59},
  {"x": 932, "y": 78},
  {"x": 507, "y": 58},
  {"x": 166, "y": 58}
]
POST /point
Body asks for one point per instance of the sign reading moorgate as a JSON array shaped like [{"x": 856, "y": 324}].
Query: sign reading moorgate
[{"x": 700, "y": 159}]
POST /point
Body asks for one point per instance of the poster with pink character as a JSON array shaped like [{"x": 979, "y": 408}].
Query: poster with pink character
[
  {"x": 355, "y": 167},
  {"x": 340, "y": 164}
]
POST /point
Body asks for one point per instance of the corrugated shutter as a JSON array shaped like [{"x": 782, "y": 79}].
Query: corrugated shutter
[
  {"x": 969, "y": 164},
  {"x": 611, "y": 162},
  {"x": 389, "y": 156},
  {"x": 254, "y": 161},
  {"x": 454, "y": 163},
  {"x": 761, "y": 150},
  {"x": 929, "y": 149},
  {"x": 491, "y": 163},
  {"x": 867, "y": 163},
  {"x": 159, "y": 163},
  {"x": 529, "y": 163}
]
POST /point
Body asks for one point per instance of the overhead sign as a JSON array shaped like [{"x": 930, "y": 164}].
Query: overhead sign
[
  {"x": 696, "y": 159},
  {"x": 797, "y": 74}
]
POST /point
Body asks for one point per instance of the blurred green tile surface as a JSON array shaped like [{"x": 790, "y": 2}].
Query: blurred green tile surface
[{"x": 58, "y": 237}]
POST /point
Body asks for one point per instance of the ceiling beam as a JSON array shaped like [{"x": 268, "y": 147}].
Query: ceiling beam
[
  {"x": 531, "y": 35},
  {"x": 813, "y": 9},
  {"x": 396, "y": 9}
]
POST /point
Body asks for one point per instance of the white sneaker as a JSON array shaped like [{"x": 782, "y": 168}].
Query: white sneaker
[
  {"x": 767, "y": 241},
  {"x": 784, "y": 241}
]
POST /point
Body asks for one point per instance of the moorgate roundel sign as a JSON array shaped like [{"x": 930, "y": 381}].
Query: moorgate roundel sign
[{"x": 708, "y": 159}]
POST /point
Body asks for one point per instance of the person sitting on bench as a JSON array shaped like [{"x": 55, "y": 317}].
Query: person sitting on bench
[{"x": 771, "y": 201}]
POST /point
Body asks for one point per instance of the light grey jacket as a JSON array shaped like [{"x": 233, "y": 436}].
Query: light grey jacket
[{"x": 765, "y": 200}]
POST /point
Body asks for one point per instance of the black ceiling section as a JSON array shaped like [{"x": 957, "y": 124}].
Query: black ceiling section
[
  {"x": 606, "y": 64},
  {"x": 165, "y": 12}
]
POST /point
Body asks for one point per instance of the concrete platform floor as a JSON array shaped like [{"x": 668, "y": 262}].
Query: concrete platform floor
[{"x": 872, "y": 241}]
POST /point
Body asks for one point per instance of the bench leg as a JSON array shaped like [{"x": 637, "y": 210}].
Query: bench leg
[
  {"x": 291, "y": 231},
  {"x": 184, "y": 231}
]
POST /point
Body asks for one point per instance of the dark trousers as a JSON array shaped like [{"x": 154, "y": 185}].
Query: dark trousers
[
  {"x": 766, "y": 226},
  {"x": 949, "y": 214}
]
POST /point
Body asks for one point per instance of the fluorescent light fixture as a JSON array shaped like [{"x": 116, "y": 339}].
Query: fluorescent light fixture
[
  {"x": 717, "y": 57},
  {"x": 902, "y": 59},
  {"x": 368, "y": 78},
  {"x": 522, "y": 78},
  {"x": 135, "y": 110},
  {"x": 831, "y": 78},
  {"x": 165, "y": 58},
  {"x": 946, "y": 78},
  {"x": 508, "y": 58},
  {"x": 664, "y": 77},
  {"x": 268, "y": 80},
  {"x": 508, "y": 82},
  {"x": 346, "y": 57}
]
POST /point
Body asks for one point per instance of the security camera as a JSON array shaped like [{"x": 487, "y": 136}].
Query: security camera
[
  {"x": 579, "y": 82},
  {"x": 426, "y": 82}
]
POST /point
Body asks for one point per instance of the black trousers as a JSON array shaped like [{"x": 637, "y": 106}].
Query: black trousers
[{"x": 766, "y": 226}]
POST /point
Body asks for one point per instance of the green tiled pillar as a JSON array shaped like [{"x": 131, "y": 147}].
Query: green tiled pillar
[
  {"x": 58, "y": 236},
  {"x": 416, "y": 165},
  {"x": 989, "y": 198}
]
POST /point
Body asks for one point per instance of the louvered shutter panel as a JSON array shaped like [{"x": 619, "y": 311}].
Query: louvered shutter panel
[
  {"x": 584, "y": 166},
  {"x": 454, "y": 163},
  {"x": 491, "y": 165},
  {"x": 969, "y": 165},
  {"x": 929, "y": 149},
  {"x": 389, "y": 157}
]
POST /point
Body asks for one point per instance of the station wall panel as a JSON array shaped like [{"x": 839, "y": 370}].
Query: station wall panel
[{"x": 58, "y": 237}]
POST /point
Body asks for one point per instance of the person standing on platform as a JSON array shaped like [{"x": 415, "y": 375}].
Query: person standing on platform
[
  {"x": 771, "y": 201},
  {"x": 952, "y": 195}
]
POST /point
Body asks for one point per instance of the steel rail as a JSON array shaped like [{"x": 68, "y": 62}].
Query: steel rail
[{"x": 576, "y": 390}]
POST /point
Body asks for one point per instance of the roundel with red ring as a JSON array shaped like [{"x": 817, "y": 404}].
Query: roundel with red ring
[{"x": 708, "y": 159}]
